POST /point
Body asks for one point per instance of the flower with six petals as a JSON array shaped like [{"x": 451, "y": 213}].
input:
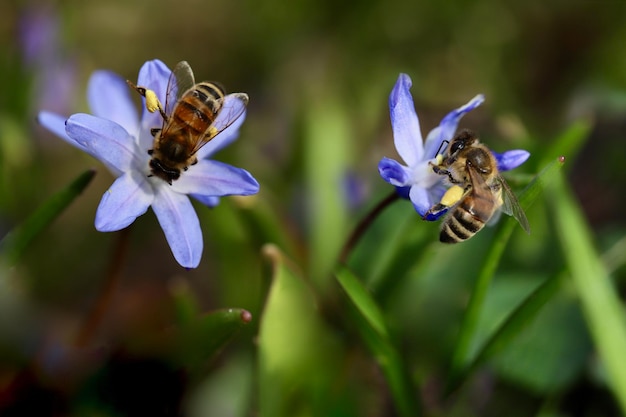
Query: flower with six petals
[
  {"x": 416, "y": 180},
  {"x": 115, "y": 135}
]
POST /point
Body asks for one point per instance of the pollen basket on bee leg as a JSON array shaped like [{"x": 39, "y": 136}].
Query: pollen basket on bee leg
[
  {"x": 452, "y": 196},
  {"x": 152, "y": 101}
]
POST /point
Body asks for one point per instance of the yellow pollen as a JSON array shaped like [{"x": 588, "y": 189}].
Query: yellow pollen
[
  {"x": 152, "y": 101},
  {"x": 452, "y": 196}
]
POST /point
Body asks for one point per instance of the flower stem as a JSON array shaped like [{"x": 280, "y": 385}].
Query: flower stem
[
  {"x": 95, "y": 316},
  {"x": 364, "y": 224}
]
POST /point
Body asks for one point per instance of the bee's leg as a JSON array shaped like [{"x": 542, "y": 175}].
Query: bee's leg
[
  {"x": 154, "y": 131},
  {"x": 195, "y": 161},
  {"x": 438, "y": 170},
  {"x": 451, "y": 197},
  {"x": 435, "y": 212},
  {"x": 442, "y": 171},
  {"x": 162, "y": 112}
]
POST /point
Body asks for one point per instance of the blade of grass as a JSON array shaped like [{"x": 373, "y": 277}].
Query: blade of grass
[
  {"x": 363, "y": 301},
  {"x": 600, "y": 303},
  {"x": 462, "y": 354},
  {"x": 371, "y": 325},
  {"x": 509, "y": 329},
  {"x": 326, "y": 151},
  {"x": 615, "y": 257},
  {"x": 17, "y": 240}
]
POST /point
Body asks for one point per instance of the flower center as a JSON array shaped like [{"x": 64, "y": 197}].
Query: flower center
[{"x": 424, "y": 176}]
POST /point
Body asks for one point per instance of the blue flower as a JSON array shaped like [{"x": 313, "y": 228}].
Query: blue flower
[
  {"x": 115, "y": 135},
  {"x": 416, "y": 180}
]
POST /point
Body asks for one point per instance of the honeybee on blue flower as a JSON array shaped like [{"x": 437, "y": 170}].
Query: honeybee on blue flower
[
  {"x": 193, "y": 115},
  {"x": 418, "y": 180},
  {"x": 478, "y": 192},
  {"x": 117, "y": 136}
]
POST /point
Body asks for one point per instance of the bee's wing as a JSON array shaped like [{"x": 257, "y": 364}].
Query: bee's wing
[
  {"x": 480, "y": 188},
  {"x": 511, "y": 206},
  {"x": 232, "y": 107},
  {"x": 181, "y": 79}
]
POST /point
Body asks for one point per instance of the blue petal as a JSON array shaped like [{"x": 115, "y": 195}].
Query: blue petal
[
  {"x": 180, "y": 224},
  {"x": 421, "y": 199},
  {"x": 128, "y": 198},
  {"x": 56, "y": 124},
  {"x": 406, "y": 128},
  {"x": 213, "y": 178},
  {"x": 511, "y": 159},
  {"x": 207, "y": 200},
  {"x": 447, "y": 127},
  {"x": 435, "y": 194},
  {"x": 109, "y": 98},
  {"x": 394, "y": 173},
  {"x": 153, "y": 75},
  {"x": 403, "y": 191},
  {"x": 104, "y": 139}
]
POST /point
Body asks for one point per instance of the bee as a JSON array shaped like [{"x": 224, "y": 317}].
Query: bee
[
  {"x": 193, "y": 115},
  {"x": 478, "y": 191}
]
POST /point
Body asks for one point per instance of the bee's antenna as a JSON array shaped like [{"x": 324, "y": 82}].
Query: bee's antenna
[{"x": 442, "y": 147}]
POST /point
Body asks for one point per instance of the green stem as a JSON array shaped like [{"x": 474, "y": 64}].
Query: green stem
[
  {"x": 96, "y": 315},
  {"x": 363, "y": 225},
  {"x": 471, "y": 318}
]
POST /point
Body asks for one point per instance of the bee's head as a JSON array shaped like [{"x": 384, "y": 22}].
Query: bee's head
[
  {"x": 463, "y": 140},
  {"x": 165, "y": 173}
]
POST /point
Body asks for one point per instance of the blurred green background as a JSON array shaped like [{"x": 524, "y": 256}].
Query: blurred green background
[{"x": 318, "y": 74}]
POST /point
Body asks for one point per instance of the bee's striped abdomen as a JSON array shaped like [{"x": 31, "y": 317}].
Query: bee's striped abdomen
[
  {"x": 198, "y": 107},
  {"x": 467, "y": 218}
]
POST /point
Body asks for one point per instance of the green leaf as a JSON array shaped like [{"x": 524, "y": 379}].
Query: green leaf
[
  {"x": 200, "y": 339},
  {"x": 547, "y": 343},
  {"x": 383, "y": 267},
  {"x": 464, "y": 348},
  {"x": 17, "y": 240},
  {"x": 197, "y": 337},
  {"x": 297, "y": 356},
  {"x": 615, "y": 256},
  {"x": 600, "y": 303},
  {"x": 363, "y": 301},
  {"x": 373, "y": 329},
  {"x": 326, "y": 150},
  {"x": 186, "y": 307},
  {"x": 510, "y": 328}
]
